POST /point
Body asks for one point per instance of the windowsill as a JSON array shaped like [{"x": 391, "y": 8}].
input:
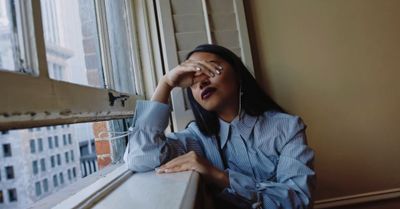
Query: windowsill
[
  {"x": 151, "y": 190},
  {"x": 117, "y": 187},
  {"x": 86, "y": 190}
]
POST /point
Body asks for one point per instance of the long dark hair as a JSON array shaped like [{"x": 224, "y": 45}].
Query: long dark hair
[{"x": 254, "y": 100}]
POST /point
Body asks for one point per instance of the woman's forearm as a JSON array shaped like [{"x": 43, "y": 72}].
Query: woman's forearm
[{"x": 162, "y": 92}]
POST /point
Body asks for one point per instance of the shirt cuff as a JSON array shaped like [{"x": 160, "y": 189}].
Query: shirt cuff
[{"x": 151, "y": 115}]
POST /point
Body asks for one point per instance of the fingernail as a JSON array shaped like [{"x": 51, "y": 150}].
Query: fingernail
[
  {"x": 212, "y": 74},
  {"x": 220, "y": 67},
  {"x": 218, "y": 72},
  {"x": 198, "y": 68}
]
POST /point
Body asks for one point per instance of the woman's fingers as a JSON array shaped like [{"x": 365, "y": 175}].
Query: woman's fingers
[
  {"x": 212, "y": 66},
  {"x": 183, "y": 162},
  {"x": 209, "y": 68},
  {"x": 175, "y": 169},
  {"x": 176, "y": 162}
]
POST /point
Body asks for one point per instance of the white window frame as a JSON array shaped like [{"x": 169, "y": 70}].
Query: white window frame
[{"x": 40, "y": 101}]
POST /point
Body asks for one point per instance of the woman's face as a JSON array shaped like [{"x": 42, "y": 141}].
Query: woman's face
[{"x": 220, "y": 92}]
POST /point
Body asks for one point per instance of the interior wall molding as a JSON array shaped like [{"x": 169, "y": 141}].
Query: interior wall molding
[{"x": 358, "y": 198}]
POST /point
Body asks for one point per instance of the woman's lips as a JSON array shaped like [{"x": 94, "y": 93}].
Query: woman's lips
[{"x": 206, "y": 93}]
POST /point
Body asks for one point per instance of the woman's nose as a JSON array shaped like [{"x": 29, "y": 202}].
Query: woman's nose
[{"x": 204, "y": 83}]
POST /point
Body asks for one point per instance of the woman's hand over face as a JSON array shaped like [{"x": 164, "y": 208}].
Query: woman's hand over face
[
  {"x": 190, "y": 72},
  {"x": 191, "y": 161}
]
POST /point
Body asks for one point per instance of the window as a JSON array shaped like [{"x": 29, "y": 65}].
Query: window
[
  {"x": 65, "y": 139},
  {"x": 7, "y": 150},
  {"x": 69, "y": 174},
  {"x": 32, "y": 145},
  {"x": 40, "y": 145},
  {"x": 66, "y": 157},
  {"x": 12, "y": 195},
  {"x": 119, "y": 35},
  {"x": 56, "y": 140},
  {"x": 38, "y": 189},
  {"x": 4, "y": 132},
  {"x": 50, "y": 140},
  {"x": 94, "y": 55},
  {"x": 1, "y": 197},
  {"x": 43, "y": 164},
  {"x": 55, "y": 181},
  {"x": 74, "y": 57},
  {"x": 72, "y": 155},
  {"x": 45, "y": 185},
  {"x": 58, "y": 159},
  {"x": 35, "y": 168},
  {"x": 10, "y": 172},
  {"x": 13, "y": 55},
  {"x": 53, "y": 161},
  {"x": 61, "y": 178}
]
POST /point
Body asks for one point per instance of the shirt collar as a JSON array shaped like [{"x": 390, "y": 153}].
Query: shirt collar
[{"x": 244, "y": 125}]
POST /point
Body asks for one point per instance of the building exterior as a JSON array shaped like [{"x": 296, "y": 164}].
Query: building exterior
[{"x": 36, "y": 163}]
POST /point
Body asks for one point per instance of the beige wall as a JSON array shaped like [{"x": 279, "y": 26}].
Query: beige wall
[{"x": 337, "y": 64}]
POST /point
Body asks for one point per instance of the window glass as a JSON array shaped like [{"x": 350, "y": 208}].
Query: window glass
[
  {"x": 67, "y": 157},
  {"x": 53, "y": 161},
  {"x": 55, "y": 181},
  {"x": 40, "y": 144},
  {"x": 7, "y": 150},
  {"x": 32, "y": 145},
  {"x": 12, "y": 57},
  {"x": 38, "y": 188},
  {"x": 35, "y": 168},
  {"x": 61, "y": 178},
  {"x": 118, "y": 24},
  {"x": 43, "y": 164},
  {"x": 72, "y": 56},
  {"x": 50, "y": 140},
  {"x": 69, "y": 174},
  {"x": 45, "y": 185},
  {"x": 12, "y": 195},
  {"x": 58, "y": 159},
  {"x": 65, "y": 139},
  {"x": 10, "y": 172},
  {"x": 56, "y": 140}
]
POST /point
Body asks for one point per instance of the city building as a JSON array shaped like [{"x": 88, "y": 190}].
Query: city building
[{"x": 36, "y": 163}]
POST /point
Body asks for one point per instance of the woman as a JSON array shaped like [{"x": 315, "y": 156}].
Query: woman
[{"x": 241, "y": 141}]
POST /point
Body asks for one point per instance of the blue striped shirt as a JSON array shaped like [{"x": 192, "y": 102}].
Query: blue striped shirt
[{"x": 268, "y": 161}]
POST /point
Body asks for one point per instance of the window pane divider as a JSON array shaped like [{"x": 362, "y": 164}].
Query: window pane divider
[
  {"x": 104, "y": 43},
  {"x": 41, "y": 64}
]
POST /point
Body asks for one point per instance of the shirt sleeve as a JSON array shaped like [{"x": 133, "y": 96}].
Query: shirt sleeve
[
  {"x": 294, "y": 183},
  {"x": 148, "y": 146}
]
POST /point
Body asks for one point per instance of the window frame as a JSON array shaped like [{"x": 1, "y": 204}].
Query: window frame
[{"x": 58, "y": 102}]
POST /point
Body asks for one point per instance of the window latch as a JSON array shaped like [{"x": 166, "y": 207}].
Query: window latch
[{"x": 112, "y": 98}]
